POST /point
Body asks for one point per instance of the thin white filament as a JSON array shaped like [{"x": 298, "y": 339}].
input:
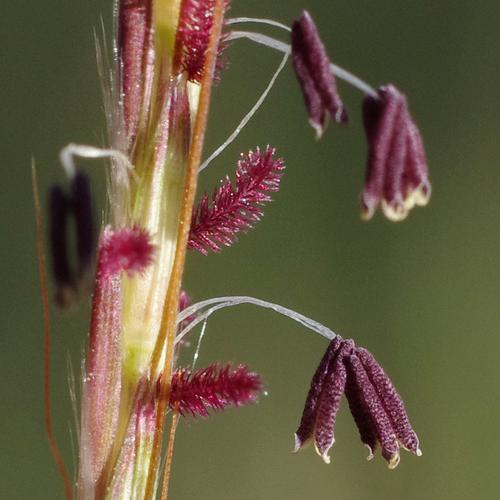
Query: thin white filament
[
  {"x": 74, "y": 433},
  {"x": 197, "y": 352},
  {"x": 69, "y": 152},
  {"x": 247, "y": 117},
  {"x": 213, "y": 305},
  {"x": 199, "y": 318},
  {"x": 285, "y": 48},
  {"x": 258, "y": 20},
  {"x": 265, "y": 40},
  {"x": 73, "y": 396},
  {"x": 105, "y": 74},
  {"x": 355, "y": 81}
]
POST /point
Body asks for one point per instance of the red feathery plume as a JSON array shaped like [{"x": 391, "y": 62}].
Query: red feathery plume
[
  {"x": 213, "y": 388},
  {"x": 236, "y": 209},
  {"x": 193, "y": 33},
  {"x": 128, "y": 249}
]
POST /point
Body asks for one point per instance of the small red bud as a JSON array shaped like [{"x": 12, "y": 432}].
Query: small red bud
[{"x": 128, "y": 249}]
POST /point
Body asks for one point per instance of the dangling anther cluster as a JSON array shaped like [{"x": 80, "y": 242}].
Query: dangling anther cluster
[
  {"x": 396, "y": 173},
  {"x": 312, "y": 67},
  {"x": 377, "y": 408}
]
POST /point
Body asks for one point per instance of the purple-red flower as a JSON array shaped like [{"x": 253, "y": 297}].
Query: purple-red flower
[
  {"x": 157, "y": 94},
  {"x": 377, "y": 408},
  {"x": 396, "y": 173},
  {"x": 312, "y": 67}
]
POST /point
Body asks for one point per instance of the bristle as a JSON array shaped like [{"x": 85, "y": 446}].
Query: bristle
[
  {"x": 235, "y": 209},
  {"x": 213, "y": 388}
]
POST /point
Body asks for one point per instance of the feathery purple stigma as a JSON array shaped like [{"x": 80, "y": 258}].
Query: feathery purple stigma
[
  {"x": 128, "y": 249},
  {"x": 213, "y": 388},
  {"x": 312, "y": 67},
  {"x": 396, "y": 173},
  {"x": 377, "y": 408},
  {"x": 193, "y": 33},
  {"x": 235, "y": 209}
]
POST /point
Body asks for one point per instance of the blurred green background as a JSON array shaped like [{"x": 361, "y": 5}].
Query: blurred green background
[{"x": 422, "y": 295}]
